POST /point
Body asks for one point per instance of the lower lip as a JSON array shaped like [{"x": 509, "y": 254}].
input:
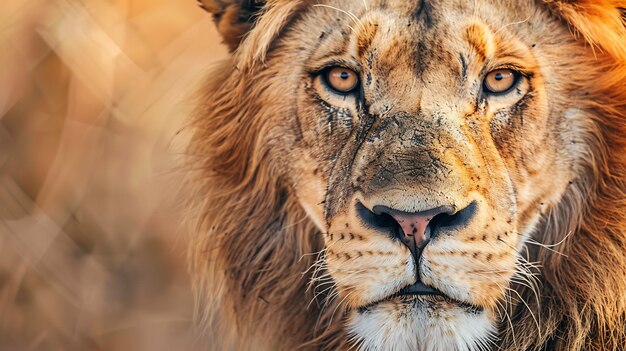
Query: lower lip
[
  {"x": 403, "y": 298},
  {"x": 425, "y": 298}
]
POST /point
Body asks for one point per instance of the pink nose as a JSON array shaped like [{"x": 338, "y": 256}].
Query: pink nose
[{"x": 415, "y": 230}]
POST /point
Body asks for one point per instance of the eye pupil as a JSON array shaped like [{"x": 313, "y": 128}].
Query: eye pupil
[
  {"x": 498, "y": 76},
  {"x": 345, "y": 75}
]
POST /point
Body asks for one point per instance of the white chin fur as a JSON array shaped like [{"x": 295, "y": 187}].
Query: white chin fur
[{"x": 420, "y": 326}]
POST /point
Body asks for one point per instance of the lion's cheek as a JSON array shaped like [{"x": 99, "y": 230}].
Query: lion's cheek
[{"x": 310, "y": 189}]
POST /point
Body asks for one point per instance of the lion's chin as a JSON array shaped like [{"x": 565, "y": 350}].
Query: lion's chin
[{"x": 421, "y": 324}]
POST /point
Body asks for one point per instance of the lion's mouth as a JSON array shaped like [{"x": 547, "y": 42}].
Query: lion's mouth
[{"x": 422, "y": 292}]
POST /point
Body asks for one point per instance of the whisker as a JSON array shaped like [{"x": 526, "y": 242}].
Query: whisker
[
  {"x": 350, "y": 14},
  {"x": 513, "y": 23}
]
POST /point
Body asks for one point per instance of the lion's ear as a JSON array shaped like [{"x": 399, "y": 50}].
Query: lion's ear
[
  {"x": 233, "y": 18},
  {"x": 601, "y": 22}
]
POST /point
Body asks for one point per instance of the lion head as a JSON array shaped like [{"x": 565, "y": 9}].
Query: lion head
[{"x": 413, "y": 175}]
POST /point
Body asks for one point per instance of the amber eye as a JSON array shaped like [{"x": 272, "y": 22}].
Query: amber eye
[
  {"x": 500, "y": 80},
  {"x": 341, "y": 79}
]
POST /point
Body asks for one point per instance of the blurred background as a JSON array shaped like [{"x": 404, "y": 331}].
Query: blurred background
[{"x": 93, "y": 94}]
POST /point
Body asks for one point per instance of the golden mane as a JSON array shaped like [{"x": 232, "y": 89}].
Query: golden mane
[{"x": 252, "y": 241}]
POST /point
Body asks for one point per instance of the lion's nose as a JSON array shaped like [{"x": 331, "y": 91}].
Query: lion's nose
[{"x": 415, "y": 229}]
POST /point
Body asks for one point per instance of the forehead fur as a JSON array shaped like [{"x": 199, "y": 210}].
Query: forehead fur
[{"x": 600, "y": 23}]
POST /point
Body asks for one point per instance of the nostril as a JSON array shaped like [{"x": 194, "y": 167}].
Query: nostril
[
  {"x": 381, "y": 221},
  {"x": 447, "y": 221}
]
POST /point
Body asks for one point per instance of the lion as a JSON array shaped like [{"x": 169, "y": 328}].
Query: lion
[{"x": 412, "y": 175}]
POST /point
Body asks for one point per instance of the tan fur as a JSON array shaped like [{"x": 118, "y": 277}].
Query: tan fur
[
  {"x": 477, "y": 37},
  {"x": 279, "y": 261}
]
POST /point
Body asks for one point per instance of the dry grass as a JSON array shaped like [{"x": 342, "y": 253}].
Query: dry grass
[{"x": 92, "y": 93}]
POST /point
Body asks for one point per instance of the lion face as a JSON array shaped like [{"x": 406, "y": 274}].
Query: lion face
[{"x": 425, "y": 141}]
